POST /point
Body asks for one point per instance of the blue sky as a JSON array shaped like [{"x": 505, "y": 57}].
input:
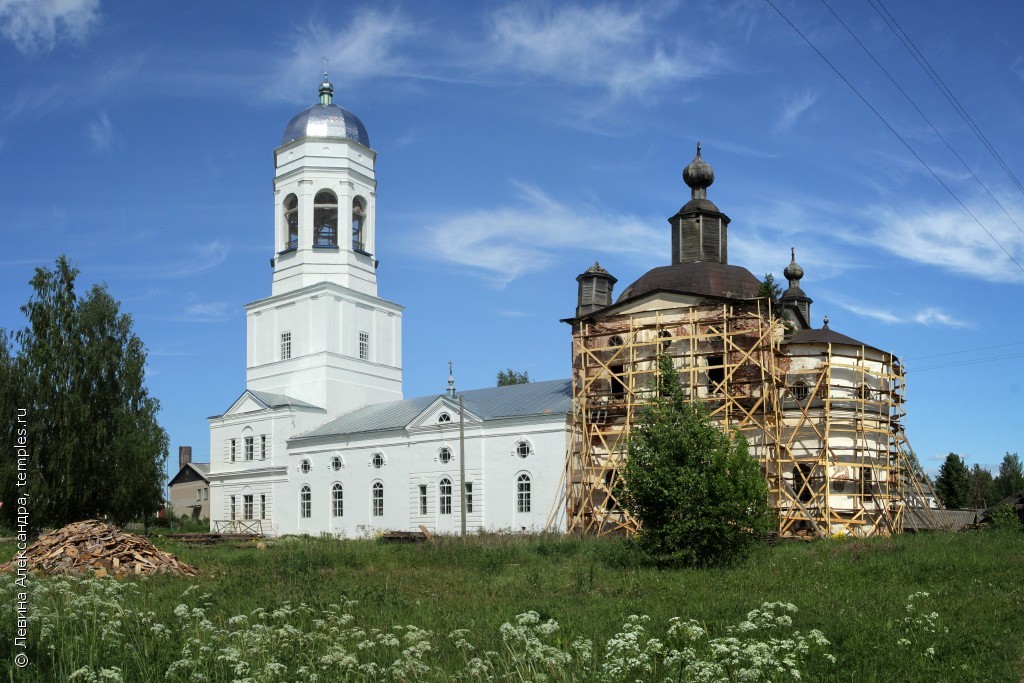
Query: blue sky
[{"x": 518, "y": 143}]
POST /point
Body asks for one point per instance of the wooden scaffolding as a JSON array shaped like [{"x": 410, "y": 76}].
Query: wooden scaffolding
[{"x": 827, "y": 428}]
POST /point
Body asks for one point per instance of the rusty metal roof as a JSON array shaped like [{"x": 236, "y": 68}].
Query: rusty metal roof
[
  {"x": 705, "y": 278},
  {"x": 823, "y": 336}
]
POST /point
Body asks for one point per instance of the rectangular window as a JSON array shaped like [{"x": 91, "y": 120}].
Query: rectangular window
[
  {"x": 469, "y": 496},
  {"x": 263, "y": 447},
  {"x": 337, "y": 501},
  {"x": 378, "y": 500},
  {"x": 248, "y": 448},
  {"x": 247, "y": 506},
  {"x": 232, "y": 508},
  {"x": 206, "y": 494},
  {"x": 199, "y": 494},
  {"x": 286, "y": 345},
  {"x": 423, "y": 499},
  {"x": 364, "y": 346},
  {"x": 444, "y": 497},
  {"x": 523, "y": 494},
  {"x": 232, "y": 450},
  {"x": 263, "y": 506}
]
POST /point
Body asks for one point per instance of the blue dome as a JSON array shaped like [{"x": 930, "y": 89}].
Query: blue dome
[{"x": 326, "y": 121}]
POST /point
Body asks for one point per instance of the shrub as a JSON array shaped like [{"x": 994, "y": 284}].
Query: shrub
[{"x": 700, "y": 497}]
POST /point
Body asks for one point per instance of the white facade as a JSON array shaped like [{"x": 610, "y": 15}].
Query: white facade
[{"x": 323, "y": 345}]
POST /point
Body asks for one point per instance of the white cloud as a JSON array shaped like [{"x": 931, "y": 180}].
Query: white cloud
[
  {"x": 793, "y": 109},
  {"x": 101, "y": 133},
  {"x": 200, "y": 259},
  {"x": 367, "y": 47},
  {"x": 950, "y": 239},
  {"x": 37, "y": 25},
  {"x": 598, "y": 45},
  {"x": 509, "y": 242},
  {"x": 928, "y": 316},
  {"x": 207, "y": 312}
]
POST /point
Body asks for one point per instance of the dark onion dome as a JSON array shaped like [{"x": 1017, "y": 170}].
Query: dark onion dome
[
  {"x": 326, "y": 120},
  {"x": 794, "y": 273},
  {"x": 703, "y": 278},
  {"x": 699, "y": 175}
]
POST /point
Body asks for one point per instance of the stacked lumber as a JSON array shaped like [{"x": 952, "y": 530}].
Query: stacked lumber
[{"x": 102, "y": 549}]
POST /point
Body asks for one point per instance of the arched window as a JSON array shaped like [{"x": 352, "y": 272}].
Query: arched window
[
  {"x": 337, "y": 501},
  {"x": 523, "y": 502},
  {"x": 358, "y": 219},
  {"x": 378, "y": 499},
  {"x": 445, "y": 455},
  {"x": 445, "y": 496},
  {"x": 444, "y": 417},
  {"x": 305, "y": 503},
  {"x": 666, "y": 340},
  {"x": 325, "y": 219},
  {"x": 523, "y": 449},
  {"x": 291, "y": 222},
  {"x": 802, "y": 482}
]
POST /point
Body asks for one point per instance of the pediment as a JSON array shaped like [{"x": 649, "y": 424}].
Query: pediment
[
  {"x": 435, "y": 414},
  {"x": 246, "y": 403}
]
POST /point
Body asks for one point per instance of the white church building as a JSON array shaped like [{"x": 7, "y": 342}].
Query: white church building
[{"x": 321, "y": 440}]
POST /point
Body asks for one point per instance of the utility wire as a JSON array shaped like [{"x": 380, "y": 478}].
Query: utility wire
[
  {"x": 955, "y": 353},
  {"x": 898, "y": 136},
  {"x": 918, "y": 109},
  {"x": 976, "y": 361},
  {"x": 941, "y": 85}
]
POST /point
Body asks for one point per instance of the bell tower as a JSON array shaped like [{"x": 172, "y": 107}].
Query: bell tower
[
  {"x": 325, "y": 193},
  {"x": 323, "y": 336}
]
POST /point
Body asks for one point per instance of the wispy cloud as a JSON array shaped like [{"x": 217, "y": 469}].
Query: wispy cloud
[
  {"x": 207, "y": 312},
  {"x": 793, "y": 109},
  {"x": 509, "y": 242},
  {"x": 950, "y": 239},
  {"x": 198, "y": 259},
  {"x": 101, "y": 133},
  {"x": 37, "y": 25},
  {"x": 930, "y": 316},
  {"x": 601, "y": 45},
  {"x": 366, "y": 47}
]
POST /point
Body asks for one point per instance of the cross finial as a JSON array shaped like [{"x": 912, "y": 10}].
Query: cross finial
[
  {"x": 698, "y": 147},
  {"x": 325, "y": 66},
  {"x": 451, "y": 381}
]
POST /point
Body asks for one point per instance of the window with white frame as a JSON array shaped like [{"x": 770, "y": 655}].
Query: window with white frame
[
  {"x": 469, "y": 496},
  {"x": 263, "y": 506},
  {"x": 337, "y": 501},
  {"x": 248, "y": 448},
  {"x": 444, "y": 498},
  {"x": 523, "y": 449},
  {"x": 232, "y": 508},
  {"x": 206, "y": 493},
  {"x": 358, "y": 218},
  {"x": 337, "y": 463},
  {"x": 423, "y": 499},
  {"x": 247, "y": 506},
  {"x": 364, "y": 346},
  {"x": 445, "y": 455},
  {"x": 291, "y": 222},
  {"x": 199, "y": 494},
  {"x": 523, "y": 502},
  {"x": 286, "y": 345},
  {"x": 232, "y": 450},
  {"x": 378, "y": 499},
  {"x": 325, "y": 219},
  {"x": 377, "y": 460},
  {"x": 444, "y": 417},
  {"x": 305, "y": 466},
  {"x": 263, "y": 447},
  {"x": 305, "y": 503}
]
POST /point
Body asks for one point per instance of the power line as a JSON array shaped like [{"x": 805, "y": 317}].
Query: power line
[
  {"x": 898, "y": 136},
  {"x": 918, "y": 109},
  {"x": 941, "y": 85},
  {"x": 955, "y": 353},
  {"x": 975, "y": 361}
]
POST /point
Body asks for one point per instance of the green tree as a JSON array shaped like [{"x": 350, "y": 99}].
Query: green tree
[
  {"x": 95, "y": 446},
  {"x": 510, "y": 376},
  {"x": 700, "y": 497},
  {"x": 770, "y": 289},
  {"x": 1010, "y": 478},
  {"x": 982, "y": 488},
  {"x": 954, "y": 482}
]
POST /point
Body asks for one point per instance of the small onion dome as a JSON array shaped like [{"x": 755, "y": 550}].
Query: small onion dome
[
  {"x": 698, "y": 175},
  {"x": 793, "y": 271}
]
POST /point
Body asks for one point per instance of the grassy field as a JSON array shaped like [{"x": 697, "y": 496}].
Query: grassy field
[{"x": 242, "y": 619}]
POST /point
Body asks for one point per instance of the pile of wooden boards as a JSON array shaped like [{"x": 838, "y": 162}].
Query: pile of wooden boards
[{"x": 102, "y": 549}]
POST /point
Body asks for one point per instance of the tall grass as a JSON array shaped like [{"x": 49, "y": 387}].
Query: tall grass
[{"x": 913, "y": 608}]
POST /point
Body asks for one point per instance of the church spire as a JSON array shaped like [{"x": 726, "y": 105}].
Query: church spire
[
  {"x": 326, "y": 89},
  {"x": 451, "y": 381},
  {"x": 700, "y": 232}
]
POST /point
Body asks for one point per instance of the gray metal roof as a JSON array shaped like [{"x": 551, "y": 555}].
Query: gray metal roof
[
  {"x": 279, "y": 400},
  {"x": 493, "y": 403}
]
